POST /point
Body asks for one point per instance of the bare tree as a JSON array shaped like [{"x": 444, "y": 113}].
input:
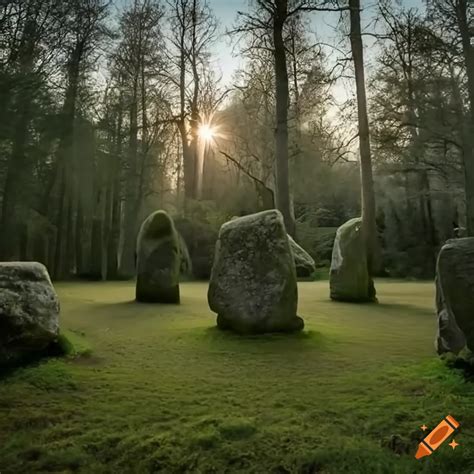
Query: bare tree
[
  {"x": 85, "y": 32},
  {"x": 137, "y": 57},
  {"x": 194, "y": 30},
  {"x": 266, "y": 28},
  {"x": 455, "y": 22},
  {"x": 369, "y": 227}
]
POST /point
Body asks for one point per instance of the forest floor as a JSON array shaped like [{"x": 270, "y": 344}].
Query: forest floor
[{"x": 162, "y": 390}]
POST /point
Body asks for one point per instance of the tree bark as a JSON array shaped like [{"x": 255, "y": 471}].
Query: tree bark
[
  {"x": 97, "y": 242},
  {"x": 369, "y": 226},
  {"x": 64, "y": 224},
  {"x": 283, "y": 200},
  {"x": 114, "y": 233},
  {"x": 188, "y": 157}
]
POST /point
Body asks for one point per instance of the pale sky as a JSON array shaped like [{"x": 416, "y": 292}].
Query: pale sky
[
  {"x": 226, "y": 13},
  {"x": 322, "y": 24}
]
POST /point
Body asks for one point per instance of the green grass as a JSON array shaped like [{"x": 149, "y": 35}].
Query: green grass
[{"x": 159, "y": 389}]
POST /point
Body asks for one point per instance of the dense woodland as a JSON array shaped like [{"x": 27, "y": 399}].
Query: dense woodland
[{"x": 109, "y": 111}]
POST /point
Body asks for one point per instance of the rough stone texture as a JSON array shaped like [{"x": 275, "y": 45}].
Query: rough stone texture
[
  {"x": 29, "y": 310},
  {"x": 349, "y": 277},
  {"x": 455, "y": 296},
  {"x": 253, "y": 285},
  {"x": 305, "y": 264},
  {"x": 158, "y": 260}
]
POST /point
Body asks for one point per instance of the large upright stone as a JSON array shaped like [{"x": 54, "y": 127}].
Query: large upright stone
[
  {"x": 158, "y": 260},
  {"x": 349, "y": 277},
  {"x": 29, "y": 310},
  {"x": 455, "y": 296},
  {"x": 253, "y": 285},
  {"x": 305, "y": 264}
]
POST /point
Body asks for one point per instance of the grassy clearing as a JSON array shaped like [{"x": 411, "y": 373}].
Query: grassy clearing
[{"x": 163, "y": 391}]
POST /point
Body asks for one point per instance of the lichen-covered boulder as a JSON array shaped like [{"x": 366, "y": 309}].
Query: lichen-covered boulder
[
  {"x": 455, "y": 296},
  {"x": 253, "y": 285},
  {"x": 349, "y": 278},
  {"x": 29, "y": 310},
  {"x": 158, "y": 260},
  {"x": 305, "y": 264}
]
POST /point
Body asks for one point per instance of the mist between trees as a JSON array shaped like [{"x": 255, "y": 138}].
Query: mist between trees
[{"x": 83, "y": 161}]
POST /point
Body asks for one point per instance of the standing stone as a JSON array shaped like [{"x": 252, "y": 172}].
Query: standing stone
[
  {"x": 455, "y": 296},
  {"x": 349, "y": 279},
  {"x": 253, "y": 285},
  {"x": 158, "y": 260},
  {"x": 29, "y": 310},
  {"x": 305, "y": 264}
]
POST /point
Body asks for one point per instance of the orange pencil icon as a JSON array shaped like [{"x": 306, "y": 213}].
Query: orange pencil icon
[{"x": 437, "y": 437}]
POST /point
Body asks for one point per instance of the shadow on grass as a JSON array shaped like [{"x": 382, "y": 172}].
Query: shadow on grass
[
  {"x": 465, "y": 367},
  {"x": 130, "y": 309},
  {"x": 68, "y": 345},
  {"x": 53, "y": 351},
  {"x": 303, "y": 340},
  {"x": 389, "y": 308},
  {"x": 407, "y": 308}
]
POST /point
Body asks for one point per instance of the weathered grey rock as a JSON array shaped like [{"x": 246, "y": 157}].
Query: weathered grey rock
[
  {"x": 349, "y": 277},
  {"x": 158, "y": 260},
  {"x": 455, "y": 296},
  {"x": 253, "y": 285},
  {"x": 29, "y": 310},
  {"x": 305, "y": 264}
]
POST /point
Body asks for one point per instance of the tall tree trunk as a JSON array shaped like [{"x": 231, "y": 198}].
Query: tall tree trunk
[
  {"x": 114, "y": 232},
  {"x": 66, "y": 212},
  {"x": 427, "y": 232},
  {"x": 188, "y": 156},
  {"x": 79, "y": 240},
  {"x": 114, "y": 235},
  {"x": 127, "y": 260},
  {"x": 369, "y": 226},
  {"x": 282, "y": 102},
  {"x": 97, "y": 236},
  {"x": 195, "y": 144},
  {"x": 58, "y": 270},
  {"x": 188, "y": 162}
]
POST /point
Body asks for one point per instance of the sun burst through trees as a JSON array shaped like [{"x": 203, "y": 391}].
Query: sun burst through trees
[{"x": 207, "y": 132}]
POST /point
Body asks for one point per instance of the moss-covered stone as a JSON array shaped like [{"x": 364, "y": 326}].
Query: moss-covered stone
[
  {"x": 253, "y": 285},
  {"x": 158, "y": 260},
  {"x": 29, "y": 311},
  {"x": 304, "y": 263},
  {"x": 349, "y": 277},
  {"x": 455, "y": 296}
]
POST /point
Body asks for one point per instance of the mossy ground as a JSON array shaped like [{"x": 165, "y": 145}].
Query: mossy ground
[{"x": 163, "y": 391}]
